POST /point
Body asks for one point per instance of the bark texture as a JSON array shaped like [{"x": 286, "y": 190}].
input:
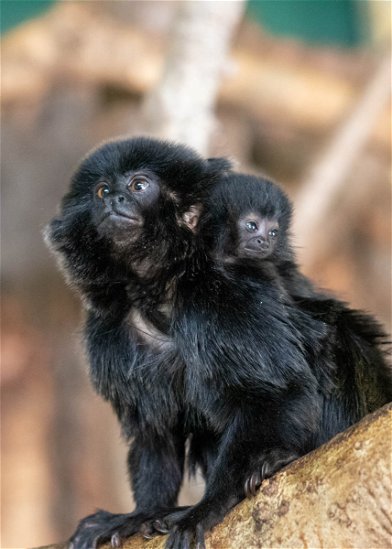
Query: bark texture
[{"x": 338, "y": 496}]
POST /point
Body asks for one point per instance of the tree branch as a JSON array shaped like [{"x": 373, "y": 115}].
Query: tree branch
[
  {"x": 180, "y": 107},
  {"x": 337, "y": 496},
  {"x": 326, "y": 184}
]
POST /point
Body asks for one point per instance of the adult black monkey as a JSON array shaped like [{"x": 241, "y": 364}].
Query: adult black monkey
[
  {"x": 124, "y": 236},
  {"x": 181, "y": 346},
  {"x": 247, "y": 221}
]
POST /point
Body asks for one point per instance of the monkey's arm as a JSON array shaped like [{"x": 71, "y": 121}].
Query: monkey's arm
[
  {"x": 87, "y": 264},
  {"x": 156, "y": 456},
  {"x": 156, "y": 468}
]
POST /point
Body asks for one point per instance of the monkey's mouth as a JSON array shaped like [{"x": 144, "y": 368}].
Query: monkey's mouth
[
  {"x": 120, "y": 218},
  {"x": 119, "y": 227},
  {"x": 253, "y": 252}
]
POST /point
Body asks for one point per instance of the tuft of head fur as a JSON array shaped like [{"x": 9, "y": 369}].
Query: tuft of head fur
[{"x": 183, "y": 171}]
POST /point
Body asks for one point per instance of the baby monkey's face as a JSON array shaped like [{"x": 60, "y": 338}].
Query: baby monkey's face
[{"x": 256, "y": 235}]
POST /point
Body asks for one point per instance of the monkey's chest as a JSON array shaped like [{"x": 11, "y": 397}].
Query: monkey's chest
[
  {"x": 165, "y": 384},
  {"x": 151, "y": 330},
  {"x": 156, "y": 377}
]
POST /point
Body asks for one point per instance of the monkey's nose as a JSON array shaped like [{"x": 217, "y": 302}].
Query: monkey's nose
[
  {"x": 262, "y": 243},
  {"x": 118, "y": 199}
]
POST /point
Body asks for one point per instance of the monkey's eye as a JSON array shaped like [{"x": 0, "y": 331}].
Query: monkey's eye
[
  {"x": 102, "y": 190},
  {"x": 138, "y": 185},
  {"x": 251, "y": 226},
  {"x": 273, "y": 233}
]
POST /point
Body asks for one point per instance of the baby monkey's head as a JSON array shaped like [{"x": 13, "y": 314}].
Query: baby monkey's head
[{"x": 247, "y": 217}]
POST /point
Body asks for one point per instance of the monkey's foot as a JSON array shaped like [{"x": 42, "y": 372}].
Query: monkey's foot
[
  {"x": 268, "y": 464},
  {"x": 157, "y": 524},
  {"x": 103, "y": 527},
  {"x": 187, "y": 527},
  {"x": 186, "y": 530}
]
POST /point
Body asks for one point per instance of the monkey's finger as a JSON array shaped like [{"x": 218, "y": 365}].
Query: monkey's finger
[
  {"x": 160, "y": 526},
  {"x": 173, "y": 518},
  {"x": 147, "y": 535},
  {"x": 184, "y": 540},
  {"x": 265, "y": 470},
  {"x": 83, "y": 542},
  {"x": 254, "y": 483},
  {"x": 116, "y": 541},
  {"x": 148, "y": 531},
  {"x": 178, "y": 540},
  {"x": 200, "y": 537},
  {"x": 247, "y": 488},
  {"x": 95, "y": 544}
]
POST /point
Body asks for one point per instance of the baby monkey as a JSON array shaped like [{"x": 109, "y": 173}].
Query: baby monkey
[{"x": 247, "y": 223}]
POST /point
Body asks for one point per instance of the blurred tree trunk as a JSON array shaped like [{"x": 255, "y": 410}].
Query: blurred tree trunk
[
  {"x": 326, "y": 185},
  {"x": 180, "y": 107}
]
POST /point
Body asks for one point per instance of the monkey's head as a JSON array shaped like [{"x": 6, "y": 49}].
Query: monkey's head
[
  {"x": 247, "y": 217},
  {"x": 132, "y": 200}
]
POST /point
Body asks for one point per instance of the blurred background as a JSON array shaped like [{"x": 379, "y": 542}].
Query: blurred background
[{"x": 297, "y": 90}]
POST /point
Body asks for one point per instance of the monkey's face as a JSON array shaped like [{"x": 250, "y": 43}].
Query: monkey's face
[
  {"x": 132, "y": 202},
  {"x": 247, "y": 217},
  {"x": 121, "y": 203},
  {"x": 257, "y": 236}
]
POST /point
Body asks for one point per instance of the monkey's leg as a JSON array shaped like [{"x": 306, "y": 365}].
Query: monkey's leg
[
  {"x": 203, "y": 452},
  {"x": 294, "y": 426},
  {"x": 156, "y": 469},
  {"x": 242, "y": 443}
]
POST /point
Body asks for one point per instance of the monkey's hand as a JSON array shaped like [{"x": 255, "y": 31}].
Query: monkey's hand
[
  {"x": 103, "y": 527},
  {"x": 267, "y": 465}
]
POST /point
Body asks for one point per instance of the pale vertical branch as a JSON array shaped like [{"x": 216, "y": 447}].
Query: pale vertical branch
[
  {"x": 325, "y": 183},
  {"x": 180, "y": 107}
]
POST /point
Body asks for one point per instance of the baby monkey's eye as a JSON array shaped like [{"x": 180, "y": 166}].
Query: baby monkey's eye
[
  {"x": 251, "y": 226},
  {"x": 273, "y": 232},
  {"x": 102, "y": 190},
  {"x": 138, "y": 184}
]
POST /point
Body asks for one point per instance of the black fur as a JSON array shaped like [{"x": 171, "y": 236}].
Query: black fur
[
  {"x": 191, "y": 339},
  {"x": 249, "y": 355},
  {"x": 353, "y": 375},
  {"x": 128, "y": 284}
]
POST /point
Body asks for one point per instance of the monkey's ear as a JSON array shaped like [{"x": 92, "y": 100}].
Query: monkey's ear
[
  {"x": 53, "y": 233},
  {"x": 191, "y": 217}
]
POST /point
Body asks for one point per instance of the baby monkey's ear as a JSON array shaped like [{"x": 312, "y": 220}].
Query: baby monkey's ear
[
  {"x": 220, "y": 164},
  {"x": 191, "y": 217}
]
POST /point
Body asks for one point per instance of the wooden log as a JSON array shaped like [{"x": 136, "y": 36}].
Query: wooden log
[{"x": 337, "y": 496}]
